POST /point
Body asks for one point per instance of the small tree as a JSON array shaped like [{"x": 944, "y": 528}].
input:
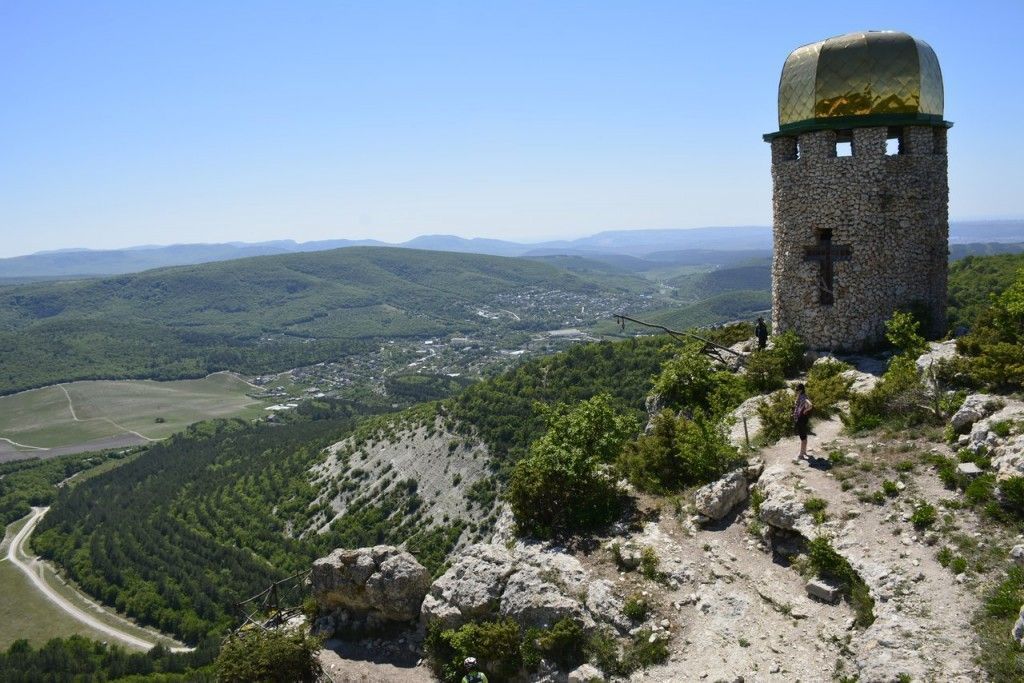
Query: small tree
[
  {"x": 281, "y": 656},
  {"x": 678, "y": 452},
  {"x": 904, "y": 332},
  {"x": 562, "y": 485}
]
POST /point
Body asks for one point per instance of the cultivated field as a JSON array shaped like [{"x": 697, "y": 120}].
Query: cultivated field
[{"x": 80, "y": 416}]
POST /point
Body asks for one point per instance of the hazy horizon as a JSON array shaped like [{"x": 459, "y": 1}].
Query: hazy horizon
[{"x": 208, "y": 123}]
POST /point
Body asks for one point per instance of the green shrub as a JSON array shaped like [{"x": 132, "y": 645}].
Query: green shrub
[
  {"x": 643, "y": 653},
  {"x": 561, "y": 485},
  {"x": 904, "y": 332},
  {"x": 899, "y": 399},
  {"x": 826, "y": 386},
  {"x": 981, "y": 491},
  {"x": 687, "y": 380},
  {"x": 260, "y": 655},
  {"x": 924, "y": 516},
  {"x": 639, "y": 653},
  {"x": 826, "y": 562},
  {"x": 816, "y": 506},
  {"x": 564, "y": 643},
  {"x": 958, "y": 564},
  {"x": 776, "y": 415},
  {"x": 497, "y": 645},
  {"x": 756, "y": 499},
  {"x": 999, "y": 653},
  {"x": 1011, "y": 495},
  {"x": 636, "y": 608},
  {"x": 649, "y": 563},
  {"x": 764, "y": 372},
  {"x": 1001, "y": 428},
  {"x": 790, "y": 350},
  {"x": 604, "y": 651},
  {"x": 679, "y": 452},
  {"x": 890, "y": 488}
]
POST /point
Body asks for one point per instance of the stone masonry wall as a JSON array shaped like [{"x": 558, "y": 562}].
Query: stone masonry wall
[{"x": 890, "y": 210}]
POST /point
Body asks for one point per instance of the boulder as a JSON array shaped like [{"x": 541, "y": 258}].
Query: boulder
[
  {"x": 936, "y": 353},
  {"x": 588, "y": 673},
  {"x": 974, "y": 408},
  {"x": 471, "y": 588},
  {"x": 968, "y": 469},
  {"x": 383, "y": 582},
  {"x": 781, "y": 507},
  {"x": 1017, "y": 555},
  {"x": 745, "y": 411},
  {"x": 529, "y": 583},
  {"x": 1018, "y": 628},
  {"x": 533, "y": 600},
  {"x": 715, "y": 500},
  {"x": 602, "y": 601},
  {"x": 824, "y": 590}
]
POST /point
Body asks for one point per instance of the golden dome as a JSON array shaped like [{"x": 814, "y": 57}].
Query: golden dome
[{"x": 861, "y": 79}]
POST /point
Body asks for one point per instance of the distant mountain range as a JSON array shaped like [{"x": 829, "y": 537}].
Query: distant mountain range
[{"x": 718, "y": 245}]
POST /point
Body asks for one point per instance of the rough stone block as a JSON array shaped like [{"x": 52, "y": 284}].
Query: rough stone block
[
  {"x": 824, "y": 590},
  {"x": 968, "y": 469}
]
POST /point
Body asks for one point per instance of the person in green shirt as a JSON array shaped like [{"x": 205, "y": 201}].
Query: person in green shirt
[{"x": 473, "y": 673}]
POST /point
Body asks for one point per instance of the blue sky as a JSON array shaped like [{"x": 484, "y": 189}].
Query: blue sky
[{"x": 131, "y": 123}]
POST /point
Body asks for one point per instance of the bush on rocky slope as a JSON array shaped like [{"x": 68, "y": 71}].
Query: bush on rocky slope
[
  {"x": 678, "y": 452},
  {"x": 563, "y": 484}
]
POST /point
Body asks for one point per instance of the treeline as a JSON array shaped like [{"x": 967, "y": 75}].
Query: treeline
[
  {"x": 504, "y": 410},
  {"x": 27, "y": 483},
  {"x": 974, "y": 280},
  {"x": 86, "y": 661}
]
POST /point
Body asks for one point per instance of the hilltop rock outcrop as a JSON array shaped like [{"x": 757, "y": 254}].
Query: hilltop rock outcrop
[
  {"x": 369, "y": 587},
  {"x": 530, "y": 583}
]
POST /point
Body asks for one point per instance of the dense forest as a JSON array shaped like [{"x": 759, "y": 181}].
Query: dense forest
[
  {"x": 974, "y": 280},
  {"x": 196, "y": 523},
  {"x": 24, "y": 483},
  {"x": 85, "y": 661}
]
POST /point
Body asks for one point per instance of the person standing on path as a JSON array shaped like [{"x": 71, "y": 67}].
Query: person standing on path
[
  {"x": 801, "y": 419},
  {"x": 761, "y": 332}
]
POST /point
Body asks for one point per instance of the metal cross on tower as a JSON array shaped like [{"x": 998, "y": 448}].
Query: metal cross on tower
[{"x": 826, "y": 253}]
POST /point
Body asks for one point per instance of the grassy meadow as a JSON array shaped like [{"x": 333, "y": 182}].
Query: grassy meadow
[{"x": 43, "y": 418}]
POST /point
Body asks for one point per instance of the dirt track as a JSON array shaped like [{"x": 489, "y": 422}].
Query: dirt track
[{"x": 32, "y": 567}]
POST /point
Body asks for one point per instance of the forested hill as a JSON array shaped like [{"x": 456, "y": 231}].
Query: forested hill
[
  {"x": 257, "y": 314},
  {"x": 224, "y": 486}
]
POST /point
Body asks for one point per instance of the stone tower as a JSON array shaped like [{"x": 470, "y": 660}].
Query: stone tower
[{"x": 860, "y": 194}]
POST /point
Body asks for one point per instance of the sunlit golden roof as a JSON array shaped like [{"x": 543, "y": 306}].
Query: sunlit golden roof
[{"x": 860, "y": 79}]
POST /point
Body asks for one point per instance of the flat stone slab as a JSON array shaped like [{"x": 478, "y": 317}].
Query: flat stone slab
[
  {"x": 968, "y": 469},
  {"x": 824, "y": 590}
]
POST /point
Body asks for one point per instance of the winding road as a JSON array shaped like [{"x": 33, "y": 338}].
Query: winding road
[{"x": 32, "y": 567}]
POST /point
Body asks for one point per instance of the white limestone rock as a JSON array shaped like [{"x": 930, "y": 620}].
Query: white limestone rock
[
  {"x": 1018, "y": 628},
  {"x": 782, "y": 507},
  {"x": 588, "y": 673},
  {"x": 974, "y": 408},
  {"x": 472, "y": 586},
  {"x": 383, "y": 582},
  {"x": 716, "y": 499}
]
